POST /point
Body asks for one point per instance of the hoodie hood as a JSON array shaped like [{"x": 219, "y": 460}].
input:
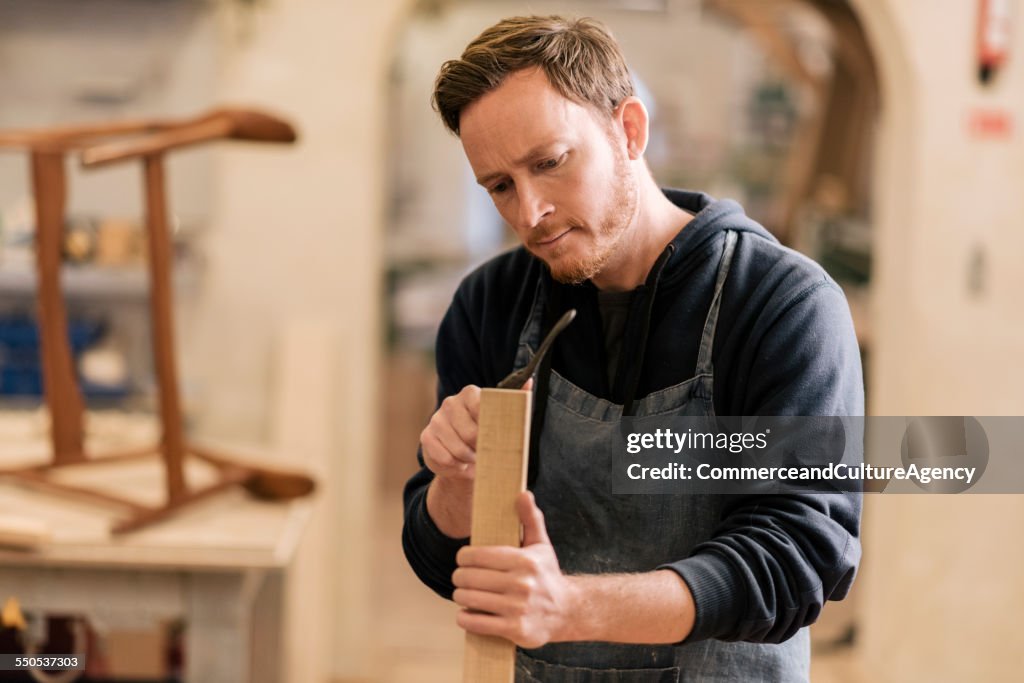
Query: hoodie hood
[{"x": 711, "y": 218}]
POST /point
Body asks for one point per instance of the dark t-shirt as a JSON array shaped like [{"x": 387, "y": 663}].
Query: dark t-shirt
[{"x": 614, "y": 307}]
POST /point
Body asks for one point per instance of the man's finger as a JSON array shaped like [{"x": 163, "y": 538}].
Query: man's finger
[
  {"x": 471, "y": 399},
  {"x": 436, "y": 456},
  {"x": 534, "y": 530},
  {"x": 464, "y": 424},
  {"x": 453, "y": 443},
  {"x": 497, "y": 557},
  {"x": 483, "y": 624},
  {"x": 484, "y": 601},
  {"x": 481, "y": 579}
]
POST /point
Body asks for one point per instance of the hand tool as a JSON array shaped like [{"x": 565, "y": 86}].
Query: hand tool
[{"x": 518, "y": 378}]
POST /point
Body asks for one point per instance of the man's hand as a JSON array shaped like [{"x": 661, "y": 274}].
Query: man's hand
[
  {"x": 449, "y": 439},
  {"x": 449, "y": 451},
  {"x": 522, "y": 595},
  {"x": 517, "y": 593}
]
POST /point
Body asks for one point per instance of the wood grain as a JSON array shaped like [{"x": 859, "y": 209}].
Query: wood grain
[{"x": 503, "y": 444}]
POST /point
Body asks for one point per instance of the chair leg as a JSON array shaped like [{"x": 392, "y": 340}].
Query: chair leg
[
  {"x": 63, "y": 399},
  {"x": 160, "y": 260}
]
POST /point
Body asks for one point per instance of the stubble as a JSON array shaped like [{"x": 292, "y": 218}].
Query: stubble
[{"x": 609, "y": 233}]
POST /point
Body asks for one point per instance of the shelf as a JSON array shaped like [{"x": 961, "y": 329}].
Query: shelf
[{"x": 90, "y": 282}]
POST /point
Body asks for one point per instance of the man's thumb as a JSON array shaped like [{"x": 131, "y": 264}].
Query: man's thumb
[{"x": 534, "y": 531}]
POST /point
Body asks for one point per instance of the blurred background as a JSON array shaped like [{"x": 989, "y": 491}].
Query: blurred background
[{"x": 880, "y": 137}]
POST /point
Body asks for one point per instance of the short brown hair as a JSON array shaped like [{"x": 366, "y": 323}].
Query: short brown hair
[{"x": 580, "y": 57}]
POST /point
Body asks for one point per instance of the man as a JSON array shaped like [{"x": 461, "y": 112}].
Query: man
[{"x": 686, "y": 307}]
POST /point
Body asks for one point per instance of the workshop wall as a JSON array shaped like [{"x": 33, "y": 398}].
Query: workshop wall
[
  {"x": 940, "y": 585},
  {"x": 299, "y": 238},
  {"x": 948, "y": 283}
]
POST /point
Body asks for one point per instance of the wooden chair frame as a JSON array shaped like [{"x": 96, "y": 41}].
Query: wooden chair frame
[{"x": 152, "y": 139}]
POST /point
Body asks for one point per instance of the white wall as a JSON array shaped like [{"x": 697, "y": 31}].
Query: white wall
[
  {"x": 67, "y": 62},
  {"x": 298, "y": 235},
  {"x": 944, "y": 193},
  {"x": 940, "y": 584}
]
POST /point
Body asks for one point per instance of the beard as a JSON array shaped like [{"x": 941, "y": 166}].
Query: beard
[{"x": 607, "y": 234}]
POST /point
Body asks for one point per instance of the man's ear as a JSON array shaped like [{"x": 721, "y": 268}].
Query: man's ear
[{"x": 631, "y": 116}]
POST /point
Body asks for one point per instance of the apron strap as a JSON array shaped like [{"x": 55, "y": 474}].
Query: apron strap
[
  {"x": 704, "y": 365},
  {"x": 552, "y": 311}
]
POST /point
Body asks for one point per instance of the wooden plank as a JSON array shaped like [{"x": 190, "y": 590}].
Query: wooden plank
[
  {"x": 23, "y": 532},
  {"x": 503, "y": 444}
]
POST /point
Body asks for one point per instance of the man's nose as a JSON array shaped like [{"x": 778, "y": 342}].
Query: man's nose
[{"x": 533, "y": 206}]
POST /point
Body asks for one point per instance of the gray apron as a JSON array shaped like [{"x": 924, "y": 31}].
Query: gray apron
[{"x": 594, "y": 531}]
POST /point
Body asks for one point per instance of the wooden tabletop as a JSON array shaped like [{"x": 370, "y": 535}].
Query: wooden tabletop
[{"x": 229, "y": 531}]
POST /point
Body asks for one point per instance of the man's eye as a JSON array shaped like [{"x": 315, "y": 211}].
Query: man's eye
[
  {"x": 499, "y": 188},
  {"x": 548, "y": 164}
]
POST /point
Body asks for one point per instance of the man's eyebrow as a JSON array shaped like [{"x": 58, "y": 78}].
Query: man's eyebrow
[{"x": 537, "y": 152}]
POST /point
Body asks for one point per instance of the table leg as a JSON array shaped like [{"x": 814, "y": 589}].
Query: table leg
[{"x": 220, "y": 643}]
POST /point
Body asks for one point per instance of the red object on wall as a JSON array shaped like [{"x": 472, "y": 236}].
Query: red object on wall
[
  {"x": 990, "y": 124},
  {"x": 993, "y": 36}
]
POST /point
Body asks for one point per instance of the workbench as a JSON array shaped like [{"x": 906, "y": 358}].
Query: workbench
[{"x": 219, "y": 565}]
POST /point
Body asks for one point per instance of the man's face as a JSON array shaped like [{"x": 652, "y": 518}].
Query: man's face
[{"x": 553, "y": 171}]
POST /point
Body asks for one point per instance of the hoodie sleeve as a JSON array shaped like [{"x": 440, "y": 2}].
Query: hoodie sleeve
[
  {"x": 774, "y": 560},
  {"x": 476, "y": 344},
  {"x": 431, "y": 553}
]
